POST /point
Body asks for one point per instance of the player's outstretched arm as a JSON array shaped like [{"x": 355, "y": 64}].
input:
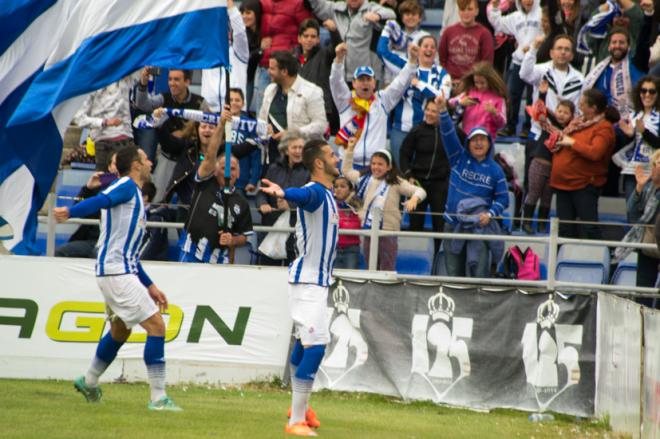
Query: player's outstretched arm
[
  {"x": 270, "y": 188},
  {"x": 83, "y": 209}
]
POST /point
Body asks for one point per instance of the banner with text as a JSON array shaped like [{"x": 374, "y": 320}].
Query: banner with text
[{"x": 466, "y": 347}]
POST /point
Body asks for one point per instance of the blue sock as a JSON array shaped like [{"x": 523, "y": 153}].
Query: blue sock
[
  {"x": 154, "y": 358},
  {"x": 106, "y": 352},
  {"x": 303, "y": 381}
]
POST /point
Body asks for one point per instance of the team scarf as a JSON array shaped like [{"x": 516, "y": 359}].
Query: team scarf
[
  {"x": 639, "y": 151},
  {"x": 353, "y": 128},
  {"x": 539, "y": 113},
  {"x": 597, "y": 27},
  {"x": 378, "y": 201},
  {"x": 620, "y": 86}
]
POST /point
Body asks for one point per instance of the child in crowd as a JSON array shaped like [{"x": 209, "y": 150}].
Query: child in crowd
[
  {"x": 250, "y": 165},
  {"x": 483, "y": 99},
  {"x": 539, "y": 189},
  {"x": 348, "y": 246},
  {"x": 381, "y": 187}
]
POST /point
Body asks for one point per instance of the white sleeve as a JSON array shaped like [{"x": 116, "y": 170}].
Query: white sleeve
[
  {"x": 240, "y": 44},
  {"x": 340, "y": 91},
  {"x": 530, "y": 72},
  {"x": 83, "y": 120}
]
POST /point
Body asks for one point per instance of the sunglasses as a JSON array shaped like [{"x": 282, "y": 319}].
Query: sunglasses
[{"x": 651, "y": 91}]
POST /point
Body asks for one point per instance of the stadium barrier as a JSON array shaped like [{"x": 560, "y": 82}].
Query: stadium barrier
[
  {"x": 552, "y": 242},
  {"x": 479, "y": 347}
]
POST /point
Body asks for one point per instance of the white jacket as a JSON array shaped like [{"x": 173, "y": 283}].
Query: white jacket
[
  {"x": 213, "y": 80},
  {"x": 305, "y": 110},
  {"x": 374, "y": 133},
  {"x": 523, "y": 27},
  {"x": 560, "y": 85}
]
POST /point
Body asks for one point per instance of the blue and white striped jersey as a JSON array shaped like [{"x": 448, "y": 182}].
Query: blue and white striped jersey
[
  {"x": 316, "y": 234},
  {"x": 123, "y": 224}
]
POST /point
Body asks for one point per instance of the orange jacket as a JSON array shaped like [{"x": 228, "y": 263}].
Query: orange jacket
[{"x": 586, "y": 161}]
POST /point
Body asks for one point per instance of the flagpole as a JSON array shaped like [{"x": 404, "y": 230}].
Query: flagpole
[{"x": 226, "y": 190}]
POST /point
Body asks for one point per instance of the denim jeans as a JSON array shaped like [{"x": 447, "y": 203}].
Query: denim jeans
[
  {"x": 348, "y": 257},
  {"x": 516, "y": 88},
  {"x": 456, "y": 264}
]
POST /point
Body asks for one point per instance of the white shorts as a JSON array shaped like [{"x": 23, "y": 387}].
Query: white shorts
[
  {"x": 127, "y": 298},
  {"x": 308, "y": 304}
]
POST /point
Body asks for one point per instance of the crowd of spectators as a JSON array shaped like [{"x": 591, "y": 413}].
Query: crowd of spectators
[{"x": 415, "y": 116}]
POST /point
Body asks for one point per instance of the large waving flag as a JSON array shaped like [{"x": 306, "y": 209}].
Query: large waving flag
[{"x": 55, "y": 52}]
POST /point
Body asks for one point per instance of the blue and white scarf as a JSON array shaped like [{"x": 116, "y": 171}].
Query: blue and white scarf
[
  {"x": 378, "y": 201},
  {"x": 596, "y": 27}
]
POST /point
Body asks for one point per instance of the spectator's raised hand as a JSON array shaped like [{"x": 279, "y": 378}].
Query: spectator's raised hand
[
  {"x": 543, "y": 86},
  {"x": 413, "y": 53},
  {"x": 340, "y": 53},
  {"x": 640, "y": 125},
  {"x": 641, "y": 177},
  {"x": 350, "y": 145},
  {"x": 330, "y": 25},
  {"x": 626, "y": 127},
  {"x": 371, "y": 17},
  {"x": 144, "y": 76},
  {"x": 538, "y": 41},
  {"x": 441, "y": 102}
]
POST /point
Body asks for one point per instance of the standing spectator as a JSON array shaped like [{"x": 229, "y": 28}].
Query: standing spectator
[
  {"x": 483, "y": 100},
  {"x": 213, "y": 80},
  {"x": 287, "y": 171},
  {"x": 348, "y": 246},
  {"x": 643, "y": 207},
  {"x": 629, "y": 16},
  {"x": 107, "y": 113},
  {"x": 291, "y": 102},
  {"x": 579, "y": 167},
  {"x": 250, "y": 164},
  {"x": 431, "y": 80},
  {"x": 424, "y": 163},
  {"x": 207, "y": 238},
  {"x": 477, "y": 187},
  {"x": 178, "y": 96},
  {"x": 280, "y": 20},
  {"x": 564, "y": 17},
  {"x": 316, "y": 62},
  {"x": 564, "y": 81},
  {"x": 524, "y": 25},
  {"x": 356, "y": 21},
  {"x": 381, "y": 188},
  {"x": 394, "y": 39},
  {"x": 538, "y": 187},
  {"x": 363, "y": 113},
  {"x": 251, "y": 13},
  {"x": 466, "y": 42},
  {"x": 642, "y": 131}
]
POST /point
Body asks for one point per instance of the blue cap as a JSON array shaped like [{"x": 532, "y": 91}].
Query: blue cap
[{"x": 362, "y": 71}]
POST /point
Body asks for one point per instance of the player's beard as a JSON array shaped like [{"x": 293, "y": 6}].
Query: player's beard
[{"x": 330, "y": 169}]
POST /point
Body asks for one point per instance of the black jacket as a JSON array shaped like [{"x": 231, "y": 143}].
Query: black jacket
[
  {"x": 279, "y": 172},
  {"x": 317, "y": 70},
  {"x": 187, "y": 153},
  {"x": 423, "y": 155}
]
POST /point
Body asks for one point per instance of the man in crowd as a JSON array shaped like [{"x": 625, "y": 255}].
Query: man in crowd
[
  {"x": 207, "y": 237},
  {"x": 363, "y": 113},
  {"x": 107, "y": 113},
  {"x": 291, "y": 102},
  {"x": 356, "y": 21}
]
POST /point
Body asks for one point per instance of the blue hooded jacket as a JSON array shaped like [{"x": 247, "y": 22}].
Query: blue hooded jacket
[{"x": 469, "y": 177}]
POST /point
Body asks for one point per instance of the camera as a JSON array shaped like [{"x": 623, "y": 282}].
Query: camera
[{"x": 154, "y": 71}]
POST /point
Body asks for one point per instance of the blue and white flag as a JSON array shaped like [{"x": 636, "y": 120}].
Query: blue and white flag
[{"x": 55, "y": 52}]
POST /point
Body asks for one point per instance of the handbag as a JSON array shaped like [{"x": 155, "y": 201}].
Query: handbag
[
  {"x": 649, "y": 238},
  {"x": 274, "y": 244}
]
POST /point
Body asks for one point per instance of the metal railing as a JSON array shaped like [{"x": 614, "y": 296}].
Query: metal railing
[{"x": 552, "y": 240}]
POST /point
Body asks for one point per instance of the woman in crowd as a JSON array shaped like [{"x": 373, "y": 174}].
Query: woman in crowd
[
  {"x": 579, "y": 164},
  {"x": 482, "y": 99},
  {"x": 424, "y": 163},
  {"x": 287, "y": 171},
  {"x": 642, "y": 130},
  {"x": 643, "y": 207},
  {"x": 251, "y": 12},
  {"x": 348, "y": 246},
  {"x": 381, "y": 188}
]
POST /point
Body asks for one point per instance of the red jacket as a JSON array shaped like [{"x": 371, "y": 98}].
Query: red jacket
[
  {"x": 586, "y": 162},
  {"x": 279, "y": 21},
  {"x": 348, "y": 220}
]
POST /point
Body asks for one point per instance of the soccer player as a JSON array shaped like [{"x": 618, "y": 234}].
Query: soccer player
[
  {"x": 310, "y": 275},
  {"x": 131, "y": 297}
]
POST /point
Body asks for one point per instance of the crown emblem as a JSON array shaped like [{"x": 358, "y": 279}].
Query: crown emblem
[
  {"x": 547, "y": 313},
  {"x": 341, "y": 298},
  {"x": 441, "y": 306}
]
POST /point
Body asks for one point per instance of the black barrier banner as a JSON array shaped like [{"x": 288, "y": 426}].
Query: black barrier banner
[{"x": 463, "y": 346}]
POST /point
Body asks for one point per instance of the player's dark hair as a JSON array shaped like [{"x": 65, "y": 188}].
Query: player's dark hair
[
  {"x": 286, "y": 61},
  {"x": 313, "y": 150},
  {"x": 125, "y": 158},
  {"x": 149, "y": 191}
]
